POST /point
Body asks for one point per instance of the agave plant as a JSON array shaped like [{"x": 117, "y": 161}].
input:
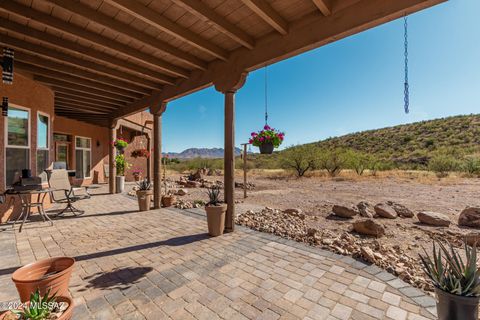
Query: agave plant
[
  {"x": 39, "y": 308},
  {"x": 213, "y": 196},
  {"x": 450, "y": 273},
  {"x": 144, "y": 185}
]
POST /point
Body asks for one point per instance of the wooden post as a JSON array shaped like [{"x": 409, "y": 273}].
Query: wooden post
[
  {"x": 157, "y": 159},
  {"x": 111, "y": 158},
  {"x": 229, "y": 160},
  {"x": 244, "y": 170}
]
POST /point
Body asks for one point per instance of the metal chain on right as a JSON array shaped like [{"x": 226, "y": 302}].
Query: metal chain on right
[
  {"x": 266, "y": 98},
  {"x": 406, "y": 85}
]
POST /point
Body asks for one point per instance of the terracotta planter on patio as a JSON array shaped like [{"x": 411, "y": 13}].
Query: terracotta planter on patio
[
  {"x": 216, "y": 219},
  {"x": 52, "y": 273},
  {"x": 66, "y": 315},
  {"x": 144, "y": 198},
  {"x": 168, "y": 201}
]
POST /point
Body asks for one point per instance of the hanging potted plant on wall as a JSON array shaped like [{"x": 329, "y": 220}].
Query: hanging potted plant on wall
[
  {"x": 120, "y": 144},
  {"x": 215, "y": 212},
  {"x": 456, "y": 281},
  {"x": 267, "y": 139},
  {"x": 121, "y": 165}
]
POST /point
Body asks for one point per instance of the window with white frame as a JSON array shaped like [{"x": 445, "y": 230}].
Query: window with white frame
[
  {"x": 17, "y": 147},
  {"x": 43, "y": 141},
  {"x": 83, "y": 155}
]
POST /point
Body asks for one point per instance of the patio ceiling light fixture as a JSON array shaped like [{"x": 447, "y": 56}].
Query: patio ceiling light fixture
[
  {"x": 5, "y": 106},
  {"x": 7, "y": 65}
]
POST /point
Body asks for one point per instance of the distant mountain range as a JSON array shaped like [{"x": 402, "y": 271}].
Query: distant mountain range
[{"x": 200, "y": 153}]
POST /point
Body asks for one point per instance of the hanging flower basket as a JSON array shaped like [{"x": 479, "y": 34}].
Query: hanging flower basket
[
  {"x": 267, "y": 139},
  {"x": 120, "y": 144},
  {"x": 140, "y": 153}
]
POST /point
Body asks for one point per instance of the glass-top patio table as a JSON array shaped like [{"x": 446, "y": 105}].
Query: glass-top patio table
[{"x": 26, "y": 198}]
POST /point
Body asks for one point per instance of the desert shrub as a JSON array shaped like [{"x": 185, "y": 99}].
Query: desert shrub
[
  {"x": 333, "y": 161},
  {"x": 471, "y": 165},
  {"x": 442, "y": 164},
  {"x": 300, "y": 159},
  {"x": 357, "y": 161}
]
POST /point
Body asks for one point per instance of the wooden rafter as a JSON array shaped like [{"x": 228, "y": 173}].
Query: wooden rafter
[
  {"x": 115, "y": 25},
  {"x": 86, "y": 101},
  {"x": 73, "y": 48},
  {"x": 77, "y": 80},
  {"x": 219, "y": 22},
  {"x": 92, "y": 37},
  {"x": 268, "y": 14},
  {"x": 141, "y": 12},
  {"x": 60, "y": 67},
  {"x": 81, "y": 88},
  {"x": 324, "y": 6},
  {"x": 72, "y": 92},
  {"x": 64, "y": 105},
  {"x": 97, "y": 106}
]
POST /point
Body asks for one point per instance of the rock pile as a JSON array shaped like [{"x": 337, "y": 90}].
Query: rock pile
[
  {"x": 293, "y": 224},
  {"x": 250, "y": 186},
  {"x": 183, "y": 204}
]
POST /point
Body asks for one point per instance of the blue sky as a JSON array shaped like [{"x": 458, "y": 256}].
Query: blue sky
[{"x": 354, "y": 84}]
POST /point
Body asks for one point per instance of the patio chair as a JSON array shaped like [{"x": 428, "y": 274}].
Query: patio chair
[{"x": 64, "y": 192}]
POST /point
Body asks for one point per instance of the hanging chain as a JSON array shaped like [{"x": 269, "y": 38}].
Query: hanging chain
[
  {"x": 406, "y": 85},
  {"x": 266, "y": 101}
]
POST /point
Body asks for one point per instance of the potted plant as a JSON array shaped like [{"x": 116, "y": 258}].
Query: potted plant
[
  {"x": 267, "y": 139},
  {"x": 120, "y": 144},
  {"x": 456, "y": 281},
  {"x": 137, "y": 173},
  {"x": 144, "y": 194},
  {"x": 140, "y": 153},
  {"x": 48, "y": 274},
  {"x": 121, "y": 164},
  {"x": 215, "y": 212},
  {"x": 42, "y": 308}
]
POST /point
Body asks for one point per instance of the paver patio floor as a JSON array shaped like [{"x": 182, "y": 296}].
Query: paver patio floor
[{"x": 161, "y": 264}]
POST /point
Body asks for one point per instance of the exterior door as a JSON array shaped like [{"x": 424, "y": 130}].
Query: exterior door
[{"x": 61, "y": 152}]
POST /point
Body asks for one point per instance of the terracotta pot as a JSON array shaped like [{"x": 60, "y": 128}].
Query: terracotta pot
[
  {"x": 136, "y": 177},
  {"x": 168, "y": 201},
  {"x": 216, "y": 219},
  {"x": 144, "y": 198},
  {"x": 66, "y": 315},
  {"x": 454, "y": 307},
  {"x": 266, "y": 148},
  {"x": 52, "y": 273}
]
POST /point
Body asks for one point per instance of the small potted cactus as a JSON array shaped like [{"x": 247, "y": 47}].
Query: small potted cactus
[
  {"x": 215, "y": 212},
  {"x": 144, "y": 195},
  {"x": 46, "y": 307},
  {"x": 456, "y": 281}
]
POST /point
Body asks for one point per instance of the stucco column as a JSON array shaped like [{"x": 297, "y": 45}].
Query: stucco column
[
  {"x": 228, "y": 83},
  {"x": 157, "y": 156},
  {"x": 229, "y": 160},
  {"x": 111, "y": 158}
]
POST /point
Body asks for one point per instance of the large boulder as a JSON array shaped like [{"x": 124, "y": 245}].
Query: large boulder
[
  {"x": 473, "y": 239},
  {"x": 365, "y": 209},
  {"x": 369, "y": 227},
  {"x": 181, "y": 192},
  {"x": 433, "y": 218},
  {"x": 470, "y": 217},
  {"x": 345, "y": 211},
  {"x": 401, "y": 210},
  {"x": 385, "y": 211}
]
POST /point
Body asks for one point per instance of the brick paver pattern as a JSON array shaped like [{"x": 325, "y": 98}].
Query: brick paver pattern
[{"x": 161, "y": 264}]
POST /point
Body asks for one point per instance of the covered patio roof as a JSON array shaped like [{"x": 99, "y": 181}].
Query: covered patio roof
[{"x": 106, "y": 59}]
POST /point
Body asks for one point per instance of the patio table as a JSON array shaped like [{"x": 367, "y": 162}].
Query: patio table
[{"x": 26, "y": 199}]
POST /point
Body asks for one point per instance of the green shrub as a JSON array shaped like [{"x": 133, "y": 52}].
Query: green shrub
[
  {"x": 471, "y": 165},
  {"x": 300, "y": 159},
  {"x": 442, "y": 164},
  {"x": 333, "y": 161},
  {"x": 357, "y": 161}
]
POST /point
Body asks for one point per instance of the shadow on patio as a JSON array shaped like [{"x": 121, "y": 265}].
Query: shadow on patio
[{"x": 122, "y": 278}]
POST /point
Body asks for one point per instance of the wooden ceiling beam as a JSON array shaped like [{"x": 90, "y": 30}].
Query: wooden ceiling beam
[
  {"x": 268, "y": 14},
  {"x": 223, "y": 25},
  {"x": 149, "y": 16},
  {"x": 81, "y": 88},
  {"x": 92, "y": 37},
  {"x": 119, "y": 27},
  {"x": 324, "y": 6},
  {"x": 86, "y": 101},
  {"x": 63, "y": 105},
  {"x": 60, "y": 67},
  {"x": 77, "y": 80},
  {"x": 93, "y": 106},
  {"x": 74, "y": 48},
  {"x": 86, "y": 96}
]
